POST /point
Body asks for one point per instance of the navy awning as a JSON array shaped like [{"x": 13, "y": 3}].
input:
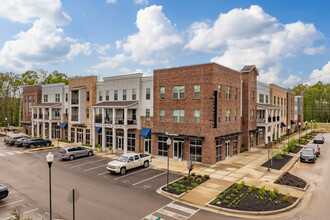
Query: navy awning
[
  {"x": 64, "y": 125},
  {"x": 145, "y": 132},
  {"x": 40, "y": 123},
  {"x": 98, "y": 129}
]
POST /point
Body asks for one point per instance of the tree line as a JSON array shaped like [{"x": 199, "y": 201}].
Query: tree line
[
  {"x": 11, "y": 91},
  {"x": 316, "y": 101}
]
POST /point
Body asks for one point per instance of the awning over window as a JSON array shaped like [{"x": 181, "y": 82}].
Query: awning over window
[
  {"x": 146, "y": 132},
  {"x": 98, "y": 129},
  {"x": 283, "y": 125},
  {"x": 293, "y": 122},
  {"x": 64, "y": 125}
]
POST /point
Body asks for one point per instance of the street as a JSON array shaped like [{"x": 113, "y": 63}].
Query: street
[{"x": 132, "y": 196}]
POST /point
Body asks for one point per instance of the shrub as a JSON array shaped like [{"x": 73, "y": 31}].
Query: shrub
[
  {"x": 242, "y": 149},
  {"x": 254, "y": 187},
  {"x": 199, "y": 176},
  {"x": 272, "y": 194},
  {"x": 98, "y": 146},
  {"x": 233, "y": 195},
  {"x": 194, "y": 184},
  {"x": 180, "y": 181},
  {"x": 287, "y": 197},
  {"x": 249, "y": 189},
  {"x": 275, "y": 191},
  {"x": 191, "y": 178},
  {"x": 262, "y": 191},
  {"x": 239, "y": 186},
  {"x": 279, "y": 156},
  {"x": 206, "y": 176},
  {"x": 228, "y": 197},
  {"x": 170, "y": 187},
  {"x": 47, "y": 137},
  {"x": 190, "y": 188},
  {"x": 225, "y": 201},
  {"x": 203, "y": 178},
  {"x": 182, "y": 186},
  {"x": 110, "y": 147},
  {"x": 220, "y": 196},
  {"x": 175, "y": 184},
  {"x": 193, "y": 174},
  {"x": 214, "y": 202},
  {"x": 185, "y": 177},
  {"x": 198, "y": 180},
  {"x": 235, "y": 191}
]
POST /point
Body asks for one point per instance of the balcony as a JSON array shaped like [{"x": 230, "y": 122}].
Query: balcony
[
  {"x": 278, "y": 118},
  {"x": 269, "y": 119},
  {"x": 56, "y": 117},
  {"x": 261, "y": 120},
  {"x": 74, "y": 101},
  {"x": 119, "y": 120},
  {"x": 35, "y": 116},
  {"x": 74, "y": 117},
  {"x": 40, "y": 116},
  {"x": 98, "y": 119},
  {"x": 46, "y": 117},
  {"x": 274, "y": 118}
]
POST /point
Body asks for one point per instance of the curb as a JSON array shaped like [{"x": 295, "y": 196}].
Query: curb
[
  {"x": 170, "y": 194},
  {"x": 297, "y": 188},
  {"x": 37, "y": 149},
  {"x": 253, "y": 212}
]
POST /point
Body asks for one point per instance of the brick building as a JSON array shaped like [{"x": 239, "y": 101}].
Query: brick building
[
  {"x": 202, "y": 105},
  {"x": 279, "y": 97}
]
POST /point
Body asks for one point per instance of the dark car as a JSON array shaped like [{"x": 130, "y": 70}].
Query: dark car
[
  {"x": 12, "y": 140},
  {"x": 33, "y": 142},
  {"x": 20, "y": 142},
  {"x": 73, "y": 152},
  {"x": 308, "y": 155},
  {"x": 10, "y": 128},
  {"x": 3, "y": 191},
  {"x": 319, "y": 139},
  {"x": 316, "y": 148}
]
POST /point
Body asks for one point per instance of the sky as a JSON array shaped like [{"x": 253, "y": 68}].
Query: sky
[{"x": 288, "y": 41}]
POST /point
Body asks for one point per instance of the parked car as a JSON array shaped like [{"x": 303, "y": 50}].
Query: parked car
[
  {"x": 3, "y": 191},
  {"x": 33, "y": 142},
  {"x": 73, "y": 152},
  {"x": 19, "y": 142},
  {"x": 128, "y": 161},
  {"x": 10, "y": 128},
  {"x": 316, "y": 148},
  {"x": 319, "y": 139},
  {"x": 12, "y": 140},
  {"x": 308, "y": 155}
]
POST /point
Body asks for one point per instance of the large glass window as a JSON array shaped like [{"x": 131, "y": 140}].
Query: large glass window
[
  {"x": 147, "y": 93},
  {"x": 162, "y": 146},
  {"x": 133, "y": 94},
  {"x": 227, "y": 115},
  {"x": 178, "y": 115},
  {"x": 72, "y": 135},
  {"x": 147, "y": 113},
  {"x": 124, "y": 94},
  {"x": 108, "y": 138},
  {"x": 235, "y": 146},
  {"x": 197, "y": 91},
  {"x": 228, "y": 92},
  {"x": 196, "y": 116},
  {"x": 45, "y": 98},
  {"x": 88, "y": 136},
  {"x": 162, "y": 92},
  {"x": 196, "y": 150},
  {"x": 178, "y": 92},
  {"x": 218, "y": 150},
  {"x": 131, "y": 142},
  {"x": 57, "y": 97},
  {"x": 162, "y": 115},
  {"x": 100, "y": 96},
  {"x": 107, "y": 95},
  {"x": 115, "y": 95}
]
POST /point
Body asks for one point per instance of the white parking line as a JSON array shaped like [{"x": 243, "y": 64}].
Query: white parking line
[
  {"x": 102, "y": 173},
  {"x": 2, "y": 155},
  {"x": 9, "y": 153},
  {"x": 30, "y": 211},
  {"x": 130, "y": 174},
  {"x": 11, "y": 203},
  {"x": 88, "y": 163},
  {"x": 79, "y": 159},
  {"x": 94, "y": 168},
  {"x": 148, "y": 179}
]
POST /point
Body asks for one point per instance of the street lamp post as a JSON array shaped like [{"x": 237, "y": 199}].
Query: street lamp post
[
  {"x": 5, "y": 125},
  {"x": 168, "y": 159},
  {"x": 35, "y": 124},
  {"x": 299, "y": 124},
  {"x": 314, "y": 124},
  {"x": 311, "y": 125},
  {"x": 50, "y": 158},
  {"x": 289, "y": 135},
  {"x": 306, "y": 127},
  {"x": 269, "y": 136},
  {"x": 58, "y": 134}
]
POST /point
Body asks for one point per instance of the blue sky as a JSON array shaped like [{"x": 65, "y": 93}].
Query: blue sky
[{"x": 288, "y": 41}]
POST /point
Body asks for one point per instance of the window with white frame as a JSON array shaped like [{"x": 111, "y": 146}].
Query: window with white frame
[
  {"x": 100, "y": 96},
  {"x": 195, "y": 150},
  {"x": 124, "y": 94},
  {"x": 107, "y": 95},
  {"x": 178, "y": 115},
  {"x": 261, "y": 98},
  {"x": 147, "y": 113},
  {"x": 57, "y": 112},
  {"x": 88, "y": 136},
  {"x": 57, "y": 97},
  {"x": 196, "y": 116},
  {"x": 197, "y": 91},
  {"x": 178, "y": 92},
  {"x": 162, "y": 92},
  {"x": 228, "y": 91},
  {"x": 227, "y": 115},
  {"x": 162, "y": 115},
  {"x": 251, "y": 114},
  {"x": 147, "y": 93},
  {"x": 131, "y": 142},
  {"x": 115, "y": 95},
  {"x": 133, "y": 94},
  {"x": 218, "y": 150},
  {"x": 45, "y": 98}
]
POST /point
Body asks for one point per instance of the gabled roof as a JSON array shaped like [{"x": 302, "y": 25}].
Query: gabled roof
[{"x": 249, "y": 68}]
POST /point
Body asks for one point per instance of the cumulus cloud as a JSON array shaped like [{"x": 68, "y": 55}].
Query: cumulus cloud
[
  {"x": 44, "y": 43},
  {"x": 251, "y": 36},
  {"x": 141, "y": 2},
  {"x": 314, "y": 50},
  {"x": 320, "y": 75},
  {"x": 155, "y": 42},
  {"x": 292, "y": 80},
  {"x": 111, "y": 1},
  {"x": 101, "y": 49}
]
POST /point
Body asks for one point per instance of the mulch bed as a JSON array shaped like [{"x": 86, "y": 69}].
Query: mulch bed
[
  {"x": 296, "y": 149},
  {"x": 291, "y": 180},
  {"x": 246, "y": 200},
  {"x": 303, "y": 142},
  {"x": 277, "y": 164},
  {"x": 183, "y": 185}
]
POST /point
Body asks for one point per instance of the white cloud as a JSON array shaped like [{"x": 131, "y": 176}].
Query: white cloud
[
  {"x": 251, "y": 36},
  {"x": 292, "y": 80},
  {"x": 320, "y": 75},
  {"x": 314, "y": 50},
  {"x": 156, "y": 42},
  {"x": 141, "y": 2},
  {"x": 125, "y": 70},
  {"x": 101, "y": 49},
  {"x": 78, "y": 48},
  {"x": 111, "y": 1}
]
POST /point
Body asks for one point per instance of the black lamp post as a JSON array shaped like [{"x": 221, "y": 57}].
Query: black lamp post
[
  {"x": 5, "y": 125},
  {"x": 311, "y": 125},
  {"x": 306, "y": 127},
  {"x": 50, "y": 158},
  {"x": 58, "y": 134},
  {"x": 168, "y": 159},
  {"x": 299, "y": 124},
  {"x": 289, "y": 135},
  {"x": 269, "y": 137}
]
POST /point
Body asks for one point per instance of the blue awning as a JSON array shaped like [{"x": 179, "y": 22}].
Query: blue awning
[
  {"x": 64, "y": 125},
  {"x": 98, "y": 129},
  {"x": 145, "y": 132},
  {"x": 40, "y": 123}
]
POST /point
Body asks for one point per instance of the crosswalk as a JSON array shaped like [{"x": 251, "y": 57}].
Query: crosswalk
[
  {"x": 172, "y": 211},
  {"x": 10, "y": 153}
]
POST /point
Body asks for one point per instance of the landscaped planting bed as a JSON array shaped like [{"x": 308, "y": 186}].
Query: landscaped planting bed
[
  {"x": 291, "y": 180},
  {"x": 296, "y": 149},
  {"x": 278, "y": 163},
  {"x": 184, "y": 184},
  {"x": 303, "y": 141},
  {"x": 249, "y": 198}
]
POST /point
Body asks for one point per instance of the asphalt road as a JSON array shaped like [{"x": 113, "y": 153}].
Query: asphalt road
[{"x": 132, "y": 196}]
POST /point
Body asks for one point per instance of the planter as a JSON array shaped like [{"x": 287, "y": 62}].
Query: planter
[
  {"x": 277, "y": 164},
  {"x": 291, "y": 180}
]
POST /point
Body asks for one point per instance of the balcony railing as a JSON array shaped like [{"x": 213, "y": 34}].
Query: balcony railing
[
  {"x": 269, "y": 119},
  {"x": 98, "y": 119},
  {"x": 261, "y": 120},
  {"x": 278, "y": 118},
  {"x": 74, "y": 117},
  {"x": 119, "y": 120},
  {"x": 34, "y": 116},
  {"x": 46, "y": 117},
  {"x": 40, "y": 116},
  {"x": 56, "y": 117},
  {"x": 74, "y": 101}
]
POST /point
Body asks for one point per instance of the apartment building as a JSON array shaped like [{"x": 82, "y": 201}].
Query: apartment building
[
  {"x": 123, "y": 113},
  {"x": 31, "y": 96},
  {"x": 82, "y": 96},
  {"x": 49, "y": 114},
  {"x": 268, "y": 116},
  {"x": 279, "y": 97},
  {"x": 291, "y": 112},
  {"x": 201, "y": 106}
]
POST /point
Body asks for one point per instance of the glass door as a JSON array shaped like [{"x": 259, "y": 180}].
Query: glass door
[
  {"x": 178, "y": 149},
  {"x": 251, "y": 141},
  {"x": 227, "y": 148},
  {"x": 120, "y": 142},
  {"x": 147, "y": 144}
]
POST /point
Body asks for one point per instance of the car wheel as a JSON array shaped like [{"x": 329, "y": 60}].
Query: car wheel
[
  {"x": 146, "y": 164},
  {"x": 32, "y": 145},
  {"x": 122, "y": 170},
  {"x": 71, "y": 157},
  {"x": 90, "y": 153},
  {"x": 47, "y": 144}
]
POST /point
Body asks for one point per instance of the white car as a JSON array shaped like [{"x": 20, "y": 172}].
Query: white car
[{"x": 128, "y": 161}]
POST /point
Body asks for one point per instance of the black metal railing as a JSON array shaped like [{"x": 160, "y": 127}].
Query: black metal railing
[
  {"x": 74, "y": 101},
  {"x": 74, "y": 117},
  {"x": 278, "y": 118},
  {"x": 274, "y": 118}
]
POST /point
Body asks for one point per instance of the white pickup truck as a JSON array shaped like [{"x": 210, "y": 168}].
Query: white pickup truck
[{"x": 128, "y": 161}]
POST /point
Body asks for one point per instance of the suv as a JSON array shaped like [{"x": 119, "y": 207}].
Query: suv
[
  {"x": 12, "y": 140},
  {"x": 316, "y": 148},
  {"x": 319, "y": 139},
  {"x": 308, "y": 155},
  {"x": 73, "y": 152},
  {"x": 33, "y": 142},
  {"x": 19, "y": 142}
]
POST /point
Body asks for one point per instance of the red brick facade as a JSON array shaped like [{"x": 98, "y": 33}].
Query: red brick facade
[{"x": 35, "y": 93}]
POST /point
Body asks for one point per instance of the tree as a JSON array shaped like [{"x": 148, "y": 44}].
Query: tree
[{"x": 56, "y": 77}]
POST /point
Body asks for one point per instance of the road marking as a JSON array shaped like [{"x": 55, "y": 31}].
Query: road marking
[
  {"x": 2, "y": 155},
  {"x": 88, "y": 163},
  {"x": 152, "y": 217},
  {"x": 148, "y": 179},
  {"x": 95, "y": 168},
  {"x": 171, "y": 214},
  {"x": 30, "y": 211},
  {"x": 9, "y": 153},
  {"x": 11, "y": 203},
  {"x": 130, "y": 174},
  {"x": 102, "y": 173}
]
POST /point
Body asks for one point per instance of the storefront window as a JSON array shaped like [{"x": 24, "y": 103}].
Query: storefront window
[
  {"x": 218, "y": 150},
  {"x": 162, "y": 146},
  {"x": 196, "y": 150}
]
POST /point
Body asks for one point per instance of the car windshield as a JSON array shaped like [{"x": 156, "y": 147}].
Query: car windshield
[
  {"x": 62, "y": 150},
  {"x": 122, "y": 159},
  {"x": 318, "y": 138},
  {"x": 312, "y": 146}
]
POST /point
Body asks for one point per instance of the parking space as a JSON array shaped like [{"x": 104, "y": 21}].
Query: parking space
[{"x": 19, "y": 201}]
